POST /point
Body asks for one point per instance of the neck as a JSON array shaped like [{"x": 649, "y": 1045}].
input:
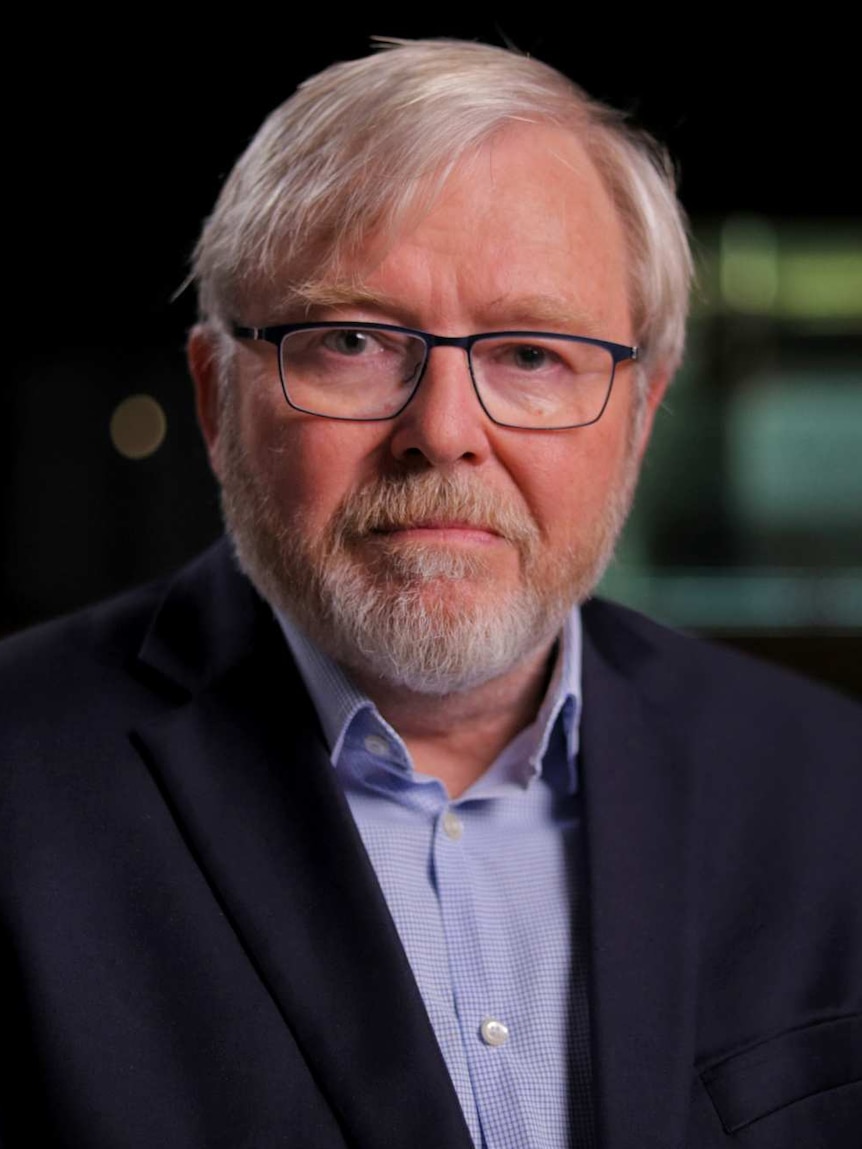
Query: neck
[{"x": 456, "y": 737}]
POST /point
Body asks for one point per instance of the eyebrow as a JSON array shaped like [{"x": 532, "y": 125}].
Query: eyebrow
[
  {"x": 532, "y": 312},
  {"x": 344, "y": 295},
  {"x": 539, "y": 310}
]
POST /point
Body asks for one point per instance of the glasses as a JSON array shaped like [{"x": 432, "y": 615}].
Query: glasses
[{"x": 370, "y": 371}]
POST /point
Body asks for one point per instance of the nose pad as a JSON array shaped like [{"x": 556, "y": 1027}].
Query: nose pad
[{"x": 412, "y": 379}]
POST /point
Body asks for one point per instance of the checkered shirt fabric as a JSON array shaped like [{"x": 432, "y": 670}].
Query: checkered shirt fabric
[{"x": 486, "y": 894}]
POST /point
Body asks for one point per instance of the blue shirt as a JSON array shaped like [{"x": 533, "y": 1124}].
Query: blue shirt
[{"x": 482, "y": 892}]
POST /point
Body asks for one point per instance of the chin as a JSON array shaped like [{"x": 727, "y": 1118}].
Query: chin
[
  {"x": 422, "y": 617},
  {"x": 427, "y": 619}
]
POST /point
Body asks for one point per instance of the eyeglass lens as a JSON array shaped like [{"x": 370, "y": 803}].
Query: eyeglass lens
[{"x": 534, "y": 381}]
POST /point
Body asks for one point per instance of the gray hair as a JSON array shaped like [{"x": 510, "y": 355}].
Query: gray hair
[{"x": 362, "y": 144}]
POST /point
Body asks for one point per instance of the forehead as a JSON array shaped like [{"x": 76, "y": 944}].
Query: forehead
[{"x": 524, "y": 220}]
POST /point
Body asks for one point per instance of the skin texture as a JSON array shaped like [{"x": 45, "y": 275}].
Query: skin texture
[{"x": 523, "y": 236}]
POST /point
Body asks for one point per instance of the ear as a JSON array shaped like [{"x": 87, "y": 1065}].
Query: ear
[
  {"x": 202, "y": 357},
  {"x": 657, "y": 385}
]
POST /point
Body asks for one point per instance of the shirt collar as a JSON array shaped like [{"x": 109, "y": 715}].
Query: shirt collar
[{"x": 339, "y": 702}]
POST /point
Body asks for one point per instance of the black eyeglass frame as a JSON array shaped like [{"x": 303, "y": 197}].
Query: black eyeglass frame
[{"x": 619, "y": 353}]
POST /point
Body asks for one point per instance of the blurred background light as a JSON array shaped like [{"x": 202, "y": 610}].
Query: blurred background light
[{"x": 138, "y": 426}]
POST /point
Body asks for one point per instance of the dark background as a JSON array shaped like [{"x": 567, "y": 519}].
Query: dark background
[{"x": 119, "y": 136}]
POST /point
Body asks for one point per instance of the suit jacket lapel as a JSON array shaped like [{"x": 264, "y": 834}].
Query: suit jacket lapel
[
  {"x": 243, "y": 764},
  {"x": 640, "y": 819}
]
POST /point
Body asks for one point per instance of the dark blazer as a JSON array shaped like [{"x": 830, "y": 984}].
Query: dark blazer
[{"x": 196, "y": 953}]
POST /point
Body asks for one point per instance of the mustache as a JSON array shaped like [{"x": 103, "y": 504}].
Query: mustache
[{"x": 399, "y": 501}]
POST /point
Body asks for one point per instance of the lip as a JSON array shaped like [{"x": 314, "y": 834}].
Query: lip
[{"x": 442, "y": 532}]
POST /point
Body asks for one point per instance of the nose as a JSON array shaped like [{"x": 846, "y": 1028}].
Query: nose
[{"x": 444, "y": 421}]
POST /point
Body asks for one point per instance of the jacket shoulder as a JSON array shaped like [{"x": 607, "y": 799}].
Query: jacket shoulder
[
  {"x": 196, "y": 619},
  {"x": 108, "y": 633},
  {"x": 689, "y": 666}
]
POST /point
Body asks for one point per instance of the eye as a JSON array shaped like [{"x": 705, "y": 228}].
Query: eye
[
  {"x": 528, "y": 357},
  {"x": 519, "y": 359},
  {"x": 350, "y": 341}
]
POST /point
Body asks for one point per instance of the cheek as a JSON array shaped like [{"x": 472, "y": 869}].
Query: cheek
[
  {"x": 309, "y": 464},
  {"x": 572, "y": 478}
]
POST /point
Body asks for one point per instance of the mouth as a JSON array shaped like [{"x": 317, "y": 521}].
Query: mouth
[
  {"x": 439, "y": 531},
  {"x": 432, "y": 512}
]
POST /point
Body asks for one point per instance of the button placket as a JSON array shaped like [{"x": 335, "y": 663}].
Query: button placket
[{"x": 487, "y": 1039}]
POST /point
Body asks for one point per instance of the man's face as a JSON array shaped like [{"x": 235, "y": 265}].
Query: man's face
[{"x": 437, "y": 550}]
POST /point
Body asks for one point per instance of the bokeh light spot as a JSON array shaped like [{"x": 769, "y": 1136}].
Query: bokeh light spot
[{"x": 138, "y": 426}]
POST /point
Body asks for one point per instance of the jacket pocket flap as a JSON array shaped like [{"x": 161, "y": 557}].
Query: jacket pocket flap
[{"x": 775, "y": 1073}]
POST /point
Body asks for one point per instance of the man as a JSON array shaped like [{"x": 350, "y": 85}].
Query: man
[{"x": 396, "y": 838}]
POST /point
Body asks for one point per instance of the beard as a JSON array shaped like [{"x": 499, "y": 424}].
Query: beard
[{"x": 426, "y": 618}]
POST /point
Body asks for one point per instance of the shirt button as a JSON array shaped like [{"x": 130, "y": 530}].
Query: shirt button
[
  {"x": 376, "y": 745},
  {"x": 494, "y": 1032},
  {"x": 453, "y": 827}
]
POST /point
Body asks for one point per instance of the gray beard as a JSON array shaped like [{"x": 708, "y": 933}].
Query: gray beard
[{"x": 414, "y": 616}]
